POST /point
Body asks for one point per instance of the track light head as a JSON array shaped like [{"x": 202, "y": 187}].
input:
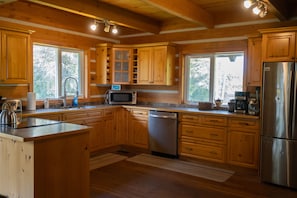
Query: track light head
[{"x": 114, "y": 29}]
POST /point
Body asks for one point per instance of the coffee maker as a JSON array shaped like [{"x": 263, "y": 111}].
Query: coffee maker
[{"x": 241, "y": 102}]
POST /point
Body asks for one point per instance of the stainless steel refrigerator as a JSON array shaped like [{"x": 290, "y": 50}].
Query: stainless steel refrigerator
[{"x": 279, "y": 124}]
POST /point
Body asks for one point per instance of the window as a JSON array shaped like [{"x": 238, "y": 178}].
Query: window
[
  {"x": 209, "y": 77},
  {"x": 52, "y": 65}
]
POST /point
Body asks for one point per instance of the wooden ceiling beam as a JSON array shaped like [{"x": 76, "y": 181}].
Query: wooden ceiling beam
[
  {"x": 279, "y": 9},
  {"x": 185, "y": 9},
  {"x": 98, "y": 10}
]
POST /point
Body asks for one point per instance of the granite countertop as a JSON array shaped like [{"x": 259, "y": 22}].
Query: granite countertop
[{"x": 40, "y": 132}]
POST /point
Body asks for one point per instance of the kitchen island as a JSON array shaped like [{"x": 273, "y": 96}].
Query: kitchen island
[{"x": 44, "y": 161}]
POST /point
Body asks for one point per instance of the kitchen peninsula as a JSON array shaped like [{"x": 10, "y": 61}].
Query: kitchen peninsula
[{"x": 44, "y": 161}]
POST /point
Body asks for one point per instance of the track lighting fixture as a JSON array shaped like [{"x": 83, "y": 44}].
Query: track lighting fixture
[
  {"x": 107, "y": 26},
  {"x": 259, "y": 7},
  {"x": 94, "y": 25}
]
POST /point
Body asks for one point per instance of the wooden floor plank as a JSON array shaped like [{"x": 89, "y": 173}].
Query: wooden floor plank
[{"x": 127, "y": 179}]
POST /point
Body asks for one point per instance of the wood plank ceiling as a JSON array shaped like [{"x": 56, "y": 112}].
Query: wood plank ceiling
[{"x": 134, "y": 17}]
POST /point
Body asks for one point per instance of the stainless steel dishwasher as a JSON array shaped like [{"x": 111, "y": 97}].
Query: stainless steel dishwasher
[{"x": 163, "y": 133}]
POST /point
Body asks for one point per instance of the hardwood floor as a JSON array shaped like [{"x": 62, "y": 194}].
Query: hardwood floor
[{"x": 128, "y": 179}]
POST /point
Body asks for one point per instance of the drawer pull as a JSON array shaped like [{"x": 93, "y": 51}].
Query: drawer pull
[
  {"x": 189, "y": 149},
  {"x": 244, "y": 123},
  {"x": 188, "y": 131},
  {"x": 213, "y": 153},
  {"x": 214, "y": 135},
  {"x": 214, "y": 120}
]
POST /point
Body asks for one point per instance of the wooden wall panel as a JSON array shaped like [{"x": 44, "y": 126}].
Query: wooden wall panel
[{"x": 211, "y": 47}]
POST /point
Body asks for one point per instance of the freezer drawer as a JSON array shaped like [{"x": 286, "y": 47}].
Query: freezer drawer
[{"x": 279, "y": 161}]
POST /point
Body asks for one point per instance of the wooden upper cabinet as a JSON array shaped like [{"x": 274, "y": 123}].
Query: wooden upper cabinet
[
  {"x": 279, "y": 46},
  {"x": 122, "y": 65},
  {"x": 15, "y": 63},
  {"x": 156, "y": 65},
  {"x": 103, "y": 67},
  {"x": 254, "y": 64}
]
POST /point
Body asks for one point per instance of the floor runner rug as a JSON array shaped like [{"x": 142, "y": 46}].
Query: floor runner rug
[
  {"x": 104, "y": 160},
  {"x": 194, "y": 169}
]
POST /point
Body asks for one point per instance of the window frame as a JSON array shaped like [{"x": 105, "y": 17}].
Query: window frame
[
  {"x": 82, "y": 68},
  {"x": 212, "y": 57}
]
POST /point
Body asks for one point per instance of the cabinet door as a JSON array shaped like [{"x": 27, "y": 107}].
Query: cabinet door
[
  {"x": 279, "y": 47},
  {"x": 254, "y": 65},
  {"x": 243, "y": 148},
  {"x": 122, "y": 65},
  {"x": 95, "y": 136},
  {"x": 144, "y": 66},
  {"x": 138, "y": 133},
  {"x": 15, "y": 57},
  {"x": 138, "y": 128},
  {"x": 159, "y": 63}
]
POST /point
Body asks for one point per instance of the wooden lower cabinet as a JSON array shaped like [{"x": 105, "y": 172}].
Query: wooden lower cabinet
[
  {"x": 220, "y": 138},
  {"x": 103, "y": 133},
  {"x": 203, "y": 150},
  {"x": 138, "y": 128},
  {"x": 203, "y": 137},
  {"x": 45, "y": 168},
  {"x": 243, "y": 142}
]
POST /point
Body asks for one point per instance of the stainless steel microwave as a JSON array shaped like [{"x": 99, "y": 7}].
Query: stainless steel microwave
[{"x": 121, "y": 97}]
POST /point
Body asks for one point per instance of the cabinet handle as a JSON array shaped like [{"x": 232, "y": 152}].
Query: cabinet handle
[
  {"x": 244, "y": 123},
  {"x": 189, "y": 149},
  {"x": 214, "y": 135},
  {"x": 213, "y": 153},
  {"x": 214, "y": 120},
  {"x": 188, "y": 131}
]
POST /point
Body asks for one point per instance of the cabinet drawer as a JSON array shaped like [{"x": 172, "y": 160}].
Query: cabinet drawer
[
  {"x": 208, "y": 133},
  {"x": 139, "y": 113},
  {"x": 74, "y": 116},
  {"x": 214, "y": 120},
  {"x": 108, "y": 112},
  {"x": 203, "y": 151},
  {"x": 245, "y": 124},
  {"x": 190, "y": 118},
  {"x": 97, "y": 113}
]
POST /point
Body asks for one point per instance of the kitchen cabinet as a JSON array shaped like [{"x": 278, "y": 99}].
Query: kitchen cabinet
[
  {"x": 243, "y": 142},
  {"x": 102, "y": 133},
  {"x": 254, "y": 64},
  {"x": 53, "y": 165},
  {"x": 203, "y": 136},
  {"x": 155, "y": 65},
  {"x": 279, "y": 46},
  {"x": 15, "y": 50},
  {"x": 121, "y": 65},
  {"x": 49, "y": 116},
  {"x": 103, "y": 65},
  {"x": 138, "y": 128}
]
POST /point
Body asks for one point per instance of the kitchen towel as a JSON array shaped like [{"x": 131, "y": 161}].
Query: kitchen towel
[{"x": 31, "y": 101}]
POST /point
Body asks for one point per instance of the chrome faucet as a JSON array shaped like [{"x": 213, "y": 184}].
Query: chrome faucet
[{"x": 65, "y": 92}]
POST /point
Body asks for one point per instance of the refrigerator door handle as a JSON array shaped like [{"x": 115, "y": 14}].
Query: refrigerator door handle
[{"x": 293, "y": 134}]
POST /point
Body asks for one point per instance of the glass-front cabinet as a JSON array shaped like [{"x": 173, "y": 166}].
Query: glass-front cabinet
[{"x": 122, "y": 65}]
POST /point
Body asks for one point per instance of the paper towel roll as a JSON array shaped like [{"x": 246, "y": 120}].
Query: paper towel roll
[{"x": 31, "y": 101}]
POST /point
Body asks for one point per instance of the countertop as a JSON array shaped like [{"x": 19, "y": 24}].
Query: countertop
[
  {"x": 36, "y": 133},
  {"x": 173, "y": 108}
]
